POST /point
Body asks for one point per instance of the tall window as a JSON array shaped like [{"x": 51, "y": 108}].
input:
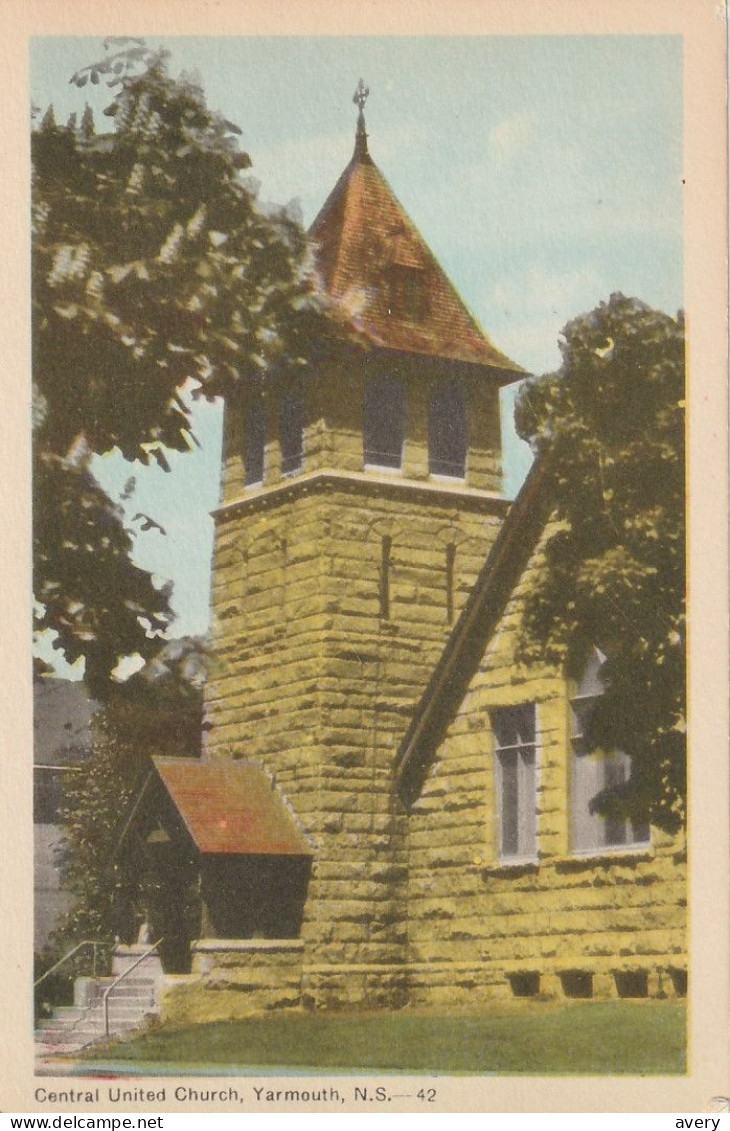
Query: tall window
[
  {"x": 254, "y": 443},
  {"x": 384, "y": 422},
  {"x": 447, "y": 430},
  {"x": 291, "y": 431},
  {"x": 514, "y": 732},
  {"x": 597, "y": 772}
]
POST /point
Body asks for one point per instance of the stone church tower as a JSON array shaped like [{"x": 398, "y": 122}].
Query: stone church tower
[{"x": 358, "y": 505}]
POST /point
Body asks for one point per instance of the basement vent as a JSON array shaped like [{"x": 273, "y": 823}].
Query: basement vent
[
  {"x": 632, "y": 983},
  {"x": 577, "y": 983},
  {"x": 525, "y": 984},
  {"x": 679, "y": 981}
]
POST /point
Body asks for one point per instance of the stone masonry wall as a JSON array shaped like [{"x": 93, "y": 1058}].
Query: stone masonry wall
[
  {"x": 315, "y": 685},
  {"x": 314, "y": 679},
  {"x": 474, "y": 923},
  {"x": 234, "y": 979},
  {"x": 333, "y": 435}
]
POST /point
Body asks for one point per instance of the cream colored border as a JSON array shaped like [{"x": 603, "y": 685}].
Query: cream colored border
[{"x": 701, "y": 23}]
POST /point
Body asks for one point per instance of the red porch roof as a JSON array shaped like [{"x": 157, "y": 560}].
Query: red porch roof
[{"x": 230, "y": 808}]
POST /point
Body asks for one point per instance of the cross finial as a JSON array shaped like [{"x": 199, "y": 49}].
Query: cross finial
[{"x": 360, "y": 97}]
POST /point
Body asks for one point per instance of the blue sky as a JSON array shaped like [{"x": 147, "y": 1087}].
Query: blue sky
[{"x": 545, "y": 172}]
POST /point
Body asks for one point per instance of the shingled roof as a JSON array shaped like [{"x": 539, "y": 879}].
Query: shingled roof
[
  {"x": 230, "y": 808},
  {"x": 363, "y": 235}
]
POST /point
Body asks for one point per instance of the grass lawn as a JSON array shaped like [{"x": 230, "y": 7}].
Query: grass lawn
[{"x": 633, "y": 1038}]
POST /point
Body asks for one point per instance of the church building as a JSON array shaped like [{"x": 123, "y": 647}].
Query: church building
[{"x": 389, "y": 809}]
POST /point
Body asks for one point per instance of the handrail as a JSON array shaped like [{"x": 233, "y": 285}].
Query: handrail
[
  {"x": 79, "y": 946},
  {"x": 121, "y": 978}
]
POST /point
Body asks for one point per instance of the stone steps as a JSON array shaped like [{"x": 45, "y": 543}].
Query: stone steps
[
  {"x": 131, "y": 1004},
  {"x": 81, "y": 1026}
]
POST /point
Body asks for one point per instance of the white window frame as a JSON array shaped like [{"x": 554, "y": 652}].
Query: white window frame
[{"x": 525, "y": 751}]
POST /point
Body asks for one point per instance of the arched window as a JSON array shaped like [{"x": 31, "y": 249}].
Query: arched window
[
  {"x": 384, "y": 422},
  {"x": 597, "y": 773},
  {"x": 254, "y": 443},
  {"x": 291, "y": 431},
  {"x": 447, "y": 430}
]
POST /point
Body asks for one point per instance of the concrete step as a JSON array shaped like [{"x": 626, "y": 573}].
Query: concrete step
[
  {"x": 122, "y": 1009},
  {"x": 137, "y": 984},
  {"x": 53, "y": 1051},
  {"x": 53, "y": 1036},
  {"x": 59, "y": 1037},
  {"x": 62, "y": 1031},
  {"x": 115, "y": 1002},
  {"x": 53, "y": 1033},
  {"x": 133, "y": 989},
  {"x": 129, "y": 1006},
  {"x": 63, "y": 1014},
  {"x": 84, "y": 1034}
]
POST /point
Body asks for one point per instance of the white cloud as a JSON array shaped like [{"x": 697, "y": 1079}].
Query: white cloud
[
  {"x": 509, "y": 138},
  {"x": 525, "y": 313}
]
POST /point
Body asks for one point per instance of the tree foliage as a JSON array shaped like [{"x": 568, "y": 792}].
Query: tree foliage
[
  {"x": 611, "y": 423},
  {"x": 153, "y": 267},
  {"x": 157, "y": 711}
]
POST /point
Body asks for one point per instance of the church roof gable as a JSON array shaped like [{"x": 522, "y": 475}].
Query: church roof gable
[{"x": 474, "y": 629}]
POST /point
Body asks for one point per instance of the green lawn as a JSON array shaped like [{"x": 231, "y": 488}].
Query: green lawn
[{"x": 634, "y": 1038}]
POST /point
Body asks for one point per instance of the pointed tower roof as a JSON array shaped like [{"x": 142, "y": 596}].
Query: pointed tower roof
[{"x": 373, "y": 260}]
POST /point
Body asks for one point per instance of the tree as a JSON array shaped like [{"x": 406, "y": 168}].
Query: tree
[
  {"x": 153, "y": 267},
  {"x": 159, "y": 711},
  {"x": 611, "y": 423}
]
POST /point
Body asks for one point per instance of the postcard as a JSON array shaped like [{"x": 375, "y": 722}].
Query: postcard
[{"x": 368, "y": 431}]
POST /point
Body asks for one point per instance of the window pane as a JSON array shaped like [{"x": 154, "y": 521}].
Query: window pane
[
  {"x": 447, "y": 431},
  {"x": 640, "y": 832},
  {"x": 254, "y": 440},
  {"x": 616, "y": 831},
  {"x": 528, "y": 806},
  {"x": 291, "y": 432},
  {"x": 582, "y": 711},
  {"x": 592, "y": 682},
  {"x": 592, "y": 774},
  {"x": 514, "y": 726},
  {"x": 509, "y": 803},
  {"x": 588, "y": 831},
  {"x": 384, "y": 423},
  {"x": 597, "y": 772},
  {"x": 525, "y": 722},
  {"x": 514, "y": 731},
  {"x": 504, "y": 722}
]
